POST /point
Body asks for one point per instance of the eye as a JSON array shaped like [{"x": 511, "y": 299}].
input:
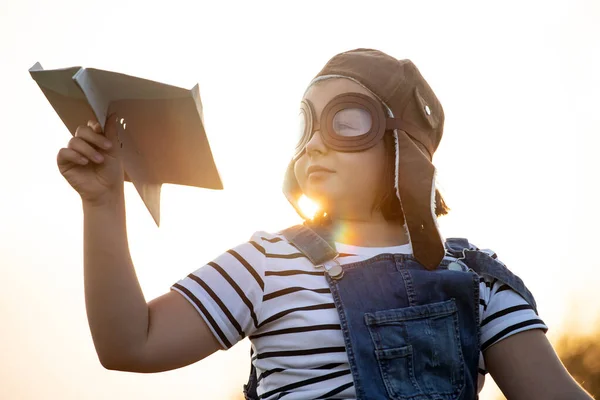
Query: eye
[
  {"x": 352, "y": 122},
  {"x": 340, "y": 126}
]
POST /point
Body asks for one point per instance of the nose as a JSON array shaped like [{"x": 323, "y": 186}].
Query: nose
[{"x": 316, "y": 144}]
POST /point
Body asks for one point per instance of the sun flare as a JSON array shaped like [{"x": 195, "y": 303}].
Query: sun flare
[{"x": 308, "y": 206}]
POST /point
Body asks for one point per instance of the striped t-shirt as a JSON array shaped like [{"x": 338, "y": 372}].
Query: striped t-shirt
[{"x": 267, "y": 290}]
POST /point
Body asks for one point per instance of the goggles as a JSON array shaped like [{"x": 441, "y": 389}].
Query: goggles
[{"x": 349, "y": 122}]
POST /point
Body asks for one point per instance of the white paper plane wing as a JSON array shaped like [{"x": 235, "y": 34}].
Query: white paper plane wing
[{"x": 161, "y": 128}]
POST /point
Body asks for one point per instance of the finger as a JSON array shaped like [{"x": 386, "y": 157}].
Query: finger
[
  {"x": 69, "y": 156},
  {"x": 95, "y": 126},
  {"x": 85, "y": 149},
  {"x": 111, "y": 127},
  {"x": 88, "y": 134}
]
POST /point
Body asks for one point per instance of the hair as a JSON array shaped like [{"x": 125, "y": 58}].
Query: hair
[{"x": 388, "y": 201}]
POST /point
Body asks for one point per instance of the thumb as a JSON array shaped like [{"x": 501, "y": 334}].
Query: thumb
[{"x": 111, "y": 129}]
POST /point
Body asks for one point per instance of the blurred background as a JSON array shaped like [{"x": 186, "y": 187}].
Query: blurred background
[{"x": 518, "y": 163}]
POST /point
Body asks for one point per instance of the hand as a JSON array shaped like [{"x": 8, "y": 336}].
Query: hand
[{"x": 91, "y": 162}]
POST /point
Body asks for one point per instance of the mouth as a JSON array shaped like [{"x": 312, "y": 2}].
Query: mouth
[{"x": 317, "y": 169}]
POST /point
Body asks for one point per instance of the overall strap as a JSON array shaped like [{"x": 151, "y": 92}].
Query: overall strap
[
  {"x": 455, "y": 247},
  {"x": 314, "y": 241},
  {"x": 485, "y": 262}
]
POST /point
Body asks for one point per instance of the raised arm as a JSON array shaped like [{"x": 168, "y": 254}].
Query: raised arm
[{"x": 128, "y": 333}]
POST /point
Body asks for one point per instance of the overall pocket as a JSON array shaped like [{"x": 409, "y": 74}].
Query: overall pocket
[{"x": 418, "y": 351}]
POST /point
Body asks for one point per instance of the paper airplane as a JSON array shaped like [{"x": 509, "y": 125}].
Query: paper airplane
[{"x": 162, "y": 135}]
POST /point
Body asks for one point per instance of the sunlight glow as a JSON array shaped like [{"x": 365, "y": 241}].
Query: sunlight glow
[{"x": 308, "y": 207}]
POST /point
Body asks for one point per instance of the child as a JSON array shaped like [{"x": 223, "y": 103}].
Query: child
[{"x": 366, "y": 301}]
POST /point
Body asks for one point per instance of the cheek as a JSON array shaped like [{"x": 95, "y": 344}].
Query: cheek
[
  {"x": 363, "y": 170},
  {"x": 299, "y": 170}
]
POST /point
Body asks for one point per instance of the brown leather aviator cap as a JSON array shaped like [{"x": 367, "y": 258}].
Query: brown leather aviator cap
[{"x": 404, "y": 92}]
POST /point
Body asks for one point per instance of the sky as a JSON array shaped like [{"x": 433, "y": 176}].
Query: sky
[{"x": 517, "y": 165}]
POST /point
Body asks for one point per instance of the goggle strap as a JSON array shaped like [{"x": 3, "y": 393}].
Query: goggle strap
[{"x": 410, "y": 129}]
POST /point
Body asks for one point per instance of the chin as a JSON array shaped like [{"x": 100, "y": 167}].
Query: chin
[
  {"x": 322, "y": 198},
  {"x": 317, "y": 196}
]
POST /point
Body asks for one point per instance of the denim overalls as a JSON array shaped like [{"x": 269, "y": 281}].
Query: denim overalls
[{"x": 409, "y": 333}]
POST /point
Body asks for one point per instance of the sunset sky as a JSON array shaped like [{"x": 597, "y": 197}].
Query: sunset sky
[{"x": 518, "y": 164}]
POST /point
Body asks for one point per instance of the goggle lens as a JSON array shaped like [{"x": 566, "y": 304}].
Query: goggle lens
[{"x": 352, "y": 122}]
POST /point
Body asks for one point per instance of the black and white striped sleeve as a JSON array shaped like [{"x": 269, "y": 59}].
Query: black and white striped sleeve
[
  {"x": 504, "y": 313},
  {"x": 228, "y": 292}
]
